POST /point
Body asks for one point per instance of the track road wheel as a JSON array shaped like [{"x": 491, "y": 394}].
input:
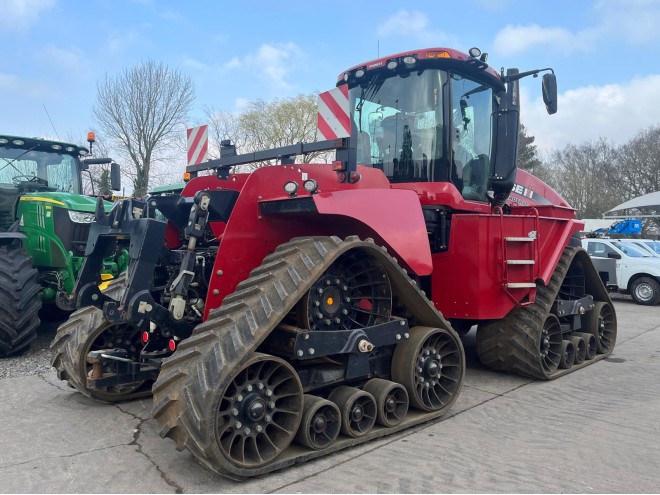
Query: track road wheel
[
  {"x": 320, "y": 425},
  {"x": 567, "y": 354},
  {"x": 550, "y": 345},
  {"x": 358, "y": 410},
  {"x": 19, "y": 300},
  {"x": 259, "y": 412},
  {"x": 430, "y": 365},
  {"x": 580, "y": 349},
  {"x": 87, "y": 330},
  {"x": 646, "y": 291},
  {"x": 391, "y": 401},
  {"x": 590, "y": 345},
  {"x": 601, "y": 322}
]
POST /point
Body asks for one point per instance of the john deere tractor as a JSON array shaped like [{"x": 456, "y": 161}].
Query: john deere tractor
[{"x": 44, "y": 224}]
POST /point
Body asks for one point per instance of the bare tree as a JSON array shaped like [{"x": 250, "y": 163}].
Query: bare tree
[
  {"x": 264, "y": 125},
  {"x": 585, "y": 175},
  {"x": 142, "y": 110}
]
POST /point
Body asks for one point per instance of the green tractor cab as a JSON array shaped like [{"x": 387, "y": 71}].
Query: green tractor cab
[{"x": 44, "y": 225}]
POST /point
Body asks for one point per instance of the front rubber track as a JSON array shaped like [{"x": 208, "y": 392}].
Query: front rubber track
[
  {"x": 19, "y": 300},
  {"x": 203, "y": 364},
  {"x": 511, "y": 344}
]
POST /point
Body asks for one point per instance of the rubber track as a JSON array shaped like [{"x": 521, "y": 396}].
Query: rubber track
[
  {"x": 19, "y": 300},
  {"x": 72, "y": 339},
  {"x": 184, "y": 403},
  {"x": 511, "y": 344}
]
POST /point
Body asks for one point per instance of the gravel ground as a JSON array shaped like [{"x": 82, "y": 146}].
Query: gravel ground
[{"x": 37, "y": 358}]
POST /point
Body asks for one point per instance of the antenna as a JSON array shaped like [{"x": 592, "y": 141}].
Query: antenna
[
  {"x": 378, "y": 49},
  {"x": 51, "y": 121}
]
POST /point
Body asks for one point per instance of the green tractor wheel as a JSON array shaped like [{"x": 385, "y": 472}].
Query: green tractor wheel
[{"x": 19, "y": 299}]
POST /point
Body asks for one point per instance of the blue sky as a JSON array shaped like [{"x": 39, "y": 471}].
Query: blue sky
[{"x": 54, "y": 51}]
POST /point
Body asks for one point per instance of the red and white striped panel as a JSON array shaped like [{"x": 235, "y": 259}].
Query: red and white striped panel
[
  {"x": 198, "y": 144},
  {"x": 334, "y": 120}
]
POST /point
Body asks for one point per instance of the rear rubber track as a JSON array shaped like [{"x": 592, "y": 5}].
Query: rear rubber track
[
  {"x": 218, "y": 348},
  {"x": 19, "y": 300},
  {"x": 511, "y": 344}
]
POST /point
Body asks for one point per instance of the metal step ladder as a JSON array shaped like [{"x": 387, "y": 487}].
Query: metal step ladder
[{"x": 524, "y": 278}]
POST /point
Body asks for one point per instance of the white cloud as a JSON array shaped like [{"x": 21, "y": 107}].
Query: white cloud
[
  {"x": 614, "y": 111},
  {"x": 513, "y": 40},
  {"x": 413, "y": 24},
  {"x": 634, "y": 21},
  {"x": 11, "y": 83},
  {"x": 69, "y": 59},
  {"x": 193, "y": 63},
  {"x": 21, "y": 14},
  {"x": 274, "y": 62}
]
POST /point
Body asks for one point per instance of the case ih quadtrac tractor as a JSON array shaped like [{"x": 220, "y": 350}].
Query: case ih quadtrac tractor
[
  {"x": 284, "y": 314},
  {"x": 44, "y": 221}
]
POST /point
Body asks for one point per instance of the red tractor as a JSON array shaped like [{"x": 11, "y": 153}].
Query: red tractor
[{"x": 284, "y": 314}]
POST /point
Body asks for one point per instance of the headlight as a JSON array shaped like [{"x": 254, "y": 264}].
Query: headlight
[{"x": 81, "y": 217}]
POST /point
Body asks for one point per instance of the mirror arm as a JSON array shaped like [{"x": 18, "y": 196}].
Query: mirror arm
[{"x": 520, "y": 75}]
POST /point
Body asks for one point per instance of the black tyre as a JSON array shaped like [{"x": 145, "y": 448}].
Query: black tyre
[
  {"x": 358, "y": 410},
  {"x": 19, "y": 300},
  {"x": 601, "y": 322},
  {"x": 590, "y": 345},
  {"x": 646, "y": 291},
  {"x": 567, "y": 354},
  {"x": 87, "y": 330},
  {"x": 580, "y": 347},
  {"x": 320, "y": 423}
]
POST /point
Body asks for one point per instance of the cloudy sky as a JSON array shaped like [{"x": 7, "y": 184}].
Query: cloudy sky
[{"x": 54, "y": 51}]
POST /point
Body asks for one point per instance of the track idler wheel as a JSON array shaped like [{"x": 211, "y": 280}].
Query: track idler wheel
[
  {"x": 391, "y": 401},
  {"x": 358, "y": 410},
  {"x": 259, "y": 412},
  {"x": 601, "y": 321},
  {"x": 580, "y": 349},
  {"x": 320, "y": 425},
  {"x": 567, "y": 354},
  {"x": 430, "y": 365}
]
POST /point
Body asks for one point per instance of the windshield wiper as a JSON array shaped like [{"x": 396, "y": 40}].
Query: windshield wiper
[{"x": 12, "y": 161}]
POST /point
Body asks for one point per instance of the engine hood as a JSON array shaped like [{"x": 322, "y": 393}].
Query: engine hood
[{"x": 69, "y": 201}]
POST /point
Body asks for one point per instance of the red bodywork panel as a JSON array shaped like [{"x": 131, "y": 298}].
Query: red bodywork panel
[
  {"x": 467, "y": 281},
  {"x": 368, "y": 208}
]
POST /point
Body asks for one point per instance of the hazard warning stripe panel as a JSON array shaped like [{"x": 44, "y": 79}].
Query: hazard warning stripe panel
[
  {"x": 198, "y": 144},
  {"x": 333, "y": 114}
]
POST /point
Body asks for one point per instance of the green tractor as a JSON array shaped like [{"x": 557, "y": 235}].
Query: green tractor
[{"x": 44, "y": 224}]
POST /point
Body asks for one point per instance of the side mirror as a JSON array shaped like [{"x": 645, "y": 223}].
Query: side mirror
[
  {"x": 614, "y": 256},
  {"x": 549, "y": 87},
  {"x": 115, "y": 177}
]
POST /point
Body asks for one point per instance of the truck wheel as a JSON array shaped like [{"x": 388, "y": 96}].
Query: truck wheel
[
  {"x": 646, "y": 291},
  {"x": 19, "y": 300}
]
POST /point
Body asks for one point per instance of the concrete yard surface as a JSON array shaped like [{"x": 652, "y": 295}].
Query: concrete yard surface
[{"x": 595, "y": 430}]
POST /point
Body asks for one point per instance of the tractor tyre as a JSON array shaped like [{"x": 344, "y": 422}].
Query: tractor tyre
[
  {"x": 646, "y": 291},
  {"x": 85, "y": 329},
  {"x": 19, "y": 299}
]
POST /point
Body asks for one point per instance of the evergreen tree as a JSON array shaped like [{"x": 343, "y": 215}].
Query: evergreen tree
[
  {"x": 104, "y": 183},
  {"x": 528, "y": 155}
]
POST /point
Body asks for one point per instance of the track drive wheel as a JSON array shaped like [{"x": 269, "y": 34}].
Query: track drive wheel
[
  {"x": 567, "y": 354},
  {"x": 601, "y": 322},
  {"x": 358, "y": 410},
  {"x": 259, "y": 412},
  {"x": 391, "y": 400},
  {"x": 320, "y": 425},
  {"x": 19, "y": 299},
  {"x": 430, "y": 365}
]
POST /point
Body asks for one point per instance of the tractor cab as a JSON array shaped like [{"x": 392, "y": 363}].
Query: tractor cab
[{"x": 437, "y": 115}]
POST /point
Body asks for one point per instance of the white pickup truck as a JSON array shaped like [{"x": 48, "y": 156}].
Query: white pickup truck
[{"x": 637, "y": 271}]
